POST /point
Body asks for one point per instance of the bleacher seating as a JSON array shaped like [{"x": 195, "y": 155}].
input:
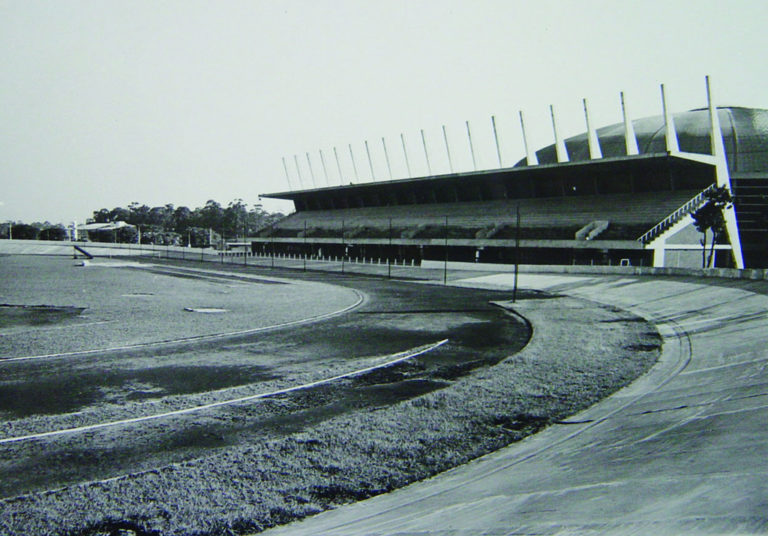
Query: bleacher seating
[{"x": 629, "y": 216}]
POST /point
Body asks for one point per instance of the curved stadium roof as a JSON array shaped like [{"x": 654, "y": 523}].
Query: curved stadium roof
[{"x": 745, "y": 133}]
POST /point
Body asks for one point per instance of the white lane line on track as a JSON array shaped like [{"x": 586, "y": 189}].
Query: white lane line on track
[
  {"x": 197, "y": 338},
  {"x": 401, "y": 356},
  {"x": 725, "y": 366}
]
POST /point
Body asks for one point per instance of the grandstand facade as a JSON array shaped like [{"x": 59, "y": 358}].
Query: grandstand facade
[{"x": 621, "y": 194}]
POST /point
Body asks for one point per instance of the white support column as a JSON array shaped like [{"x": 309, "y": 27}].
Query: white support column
[
  {"x": 593, "y": 142},
  {"x": 669, "y": 126},
  {"x": 630, "y": 139},
  {"x": 716, "y": 142},
  {"x": 560, "y": 149},
  {"x": 723, "y": 178},
  {"x": 530, "y": 155}
]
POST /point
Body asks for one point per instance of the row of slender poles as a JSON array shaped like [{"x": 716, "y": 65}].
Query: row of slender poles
[{"x": 314, "y": 181}]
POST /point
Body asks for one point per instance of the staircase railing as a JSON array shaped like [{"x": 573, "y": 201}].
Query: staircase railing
[{"x": 688, "y": 207}]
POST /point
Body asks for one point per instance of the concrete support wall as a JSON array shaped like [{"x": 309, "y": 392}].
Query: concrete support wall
[{"x": 728, "y": 273}]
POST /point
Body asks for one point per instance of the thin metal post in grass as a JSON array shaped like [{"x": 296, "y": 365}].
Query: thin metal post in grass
[
  {"x": 343, "y": 247},
  {"x": 445, "y": 263},
  {"x": 517, "y": 252},
  {"x": 305, "y": 245},
  {"x": 389, "y": 252}
]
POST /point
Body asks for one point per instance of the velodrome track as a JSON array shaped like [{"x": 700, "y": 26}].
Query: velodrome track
[
  {"x": 683, "y": 450},
  {"x": 66, "y": 414}
]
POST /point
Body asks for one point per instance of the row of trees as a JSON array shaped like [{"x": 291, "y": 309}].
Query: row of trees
[
  {"x": 172, "y": 225},
  {"x": 167, "y": 224},
  {"x": 33, "y": 231},
  {"x": 233, "y": 220}
]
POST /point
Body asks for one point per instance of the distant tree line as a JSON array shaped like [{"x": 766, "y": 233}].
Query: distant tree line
[
  {"x": 167, "y": 225},
  {"x": 172, "y": 225},
  {"x": 33, "y": 231}
]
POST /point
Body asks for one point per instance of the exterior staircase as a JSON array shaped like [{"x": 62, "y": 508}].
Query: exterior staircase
[{"x": 676, "y": 217}]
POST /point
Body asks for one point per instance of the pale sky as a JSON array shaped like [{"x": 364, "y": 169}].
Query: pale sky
[{"x": 107, "y": 102}]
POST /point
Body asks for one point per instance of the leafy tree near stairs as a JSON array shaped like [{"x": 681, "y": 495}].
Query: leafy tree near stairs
[{"x": 709, "y": 217}]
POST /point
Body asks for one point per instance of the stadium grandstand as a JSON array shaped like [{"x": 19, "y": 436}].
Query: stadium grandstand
[{"x": 621, "y": 194}]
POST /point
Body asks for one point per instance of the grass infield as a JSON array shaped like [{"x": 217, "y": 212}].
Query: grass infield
[{"x": 579, "y": 352}]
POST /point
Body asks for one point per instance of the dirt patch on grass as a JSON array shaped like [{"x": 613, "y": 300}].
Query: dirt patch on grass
[
  {"x": 580, "y": 352},
  {"x": 67, "y": 393},
  {"x": 35, "y": 315}
]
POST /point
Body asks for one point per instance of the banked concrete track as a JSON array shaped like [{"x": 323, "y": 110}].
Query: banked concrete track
[{"x": 683, "y": 450}]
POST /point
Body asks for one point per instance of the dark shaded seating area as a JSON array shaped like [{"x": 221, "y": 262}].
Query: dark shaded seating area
[{"x": 556, "y": 218}]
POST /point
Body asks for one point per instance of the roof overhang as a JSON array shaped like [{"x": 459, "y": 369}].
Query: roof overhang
[
  {"x": 618, "y": 166},
  {"x": 103, "y": 226}
]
